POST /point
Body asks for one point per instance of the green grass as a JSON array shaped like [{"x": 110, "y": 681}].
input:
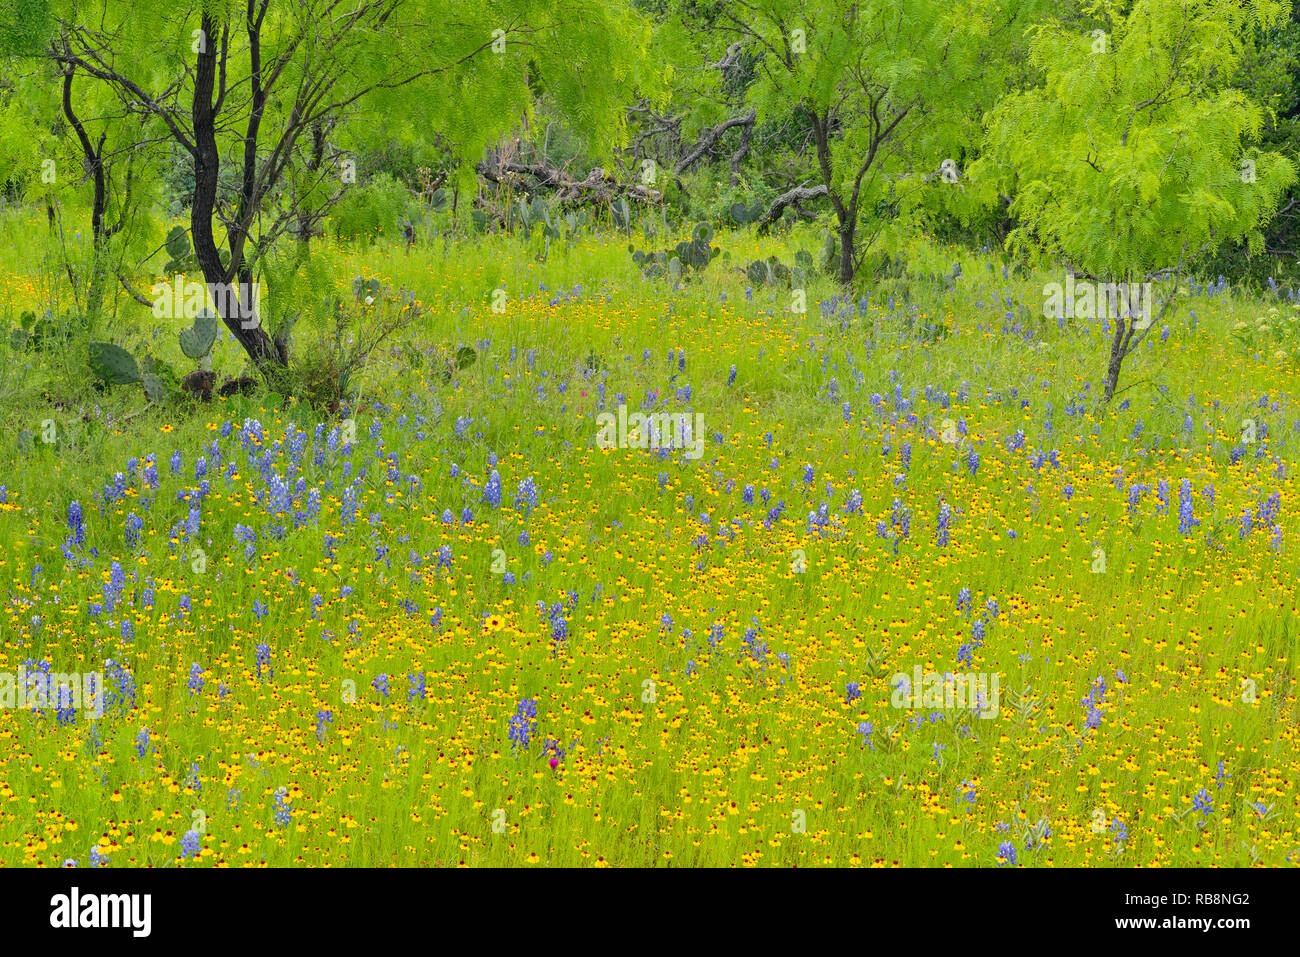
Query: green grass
[{"x": 729, "y": 746}]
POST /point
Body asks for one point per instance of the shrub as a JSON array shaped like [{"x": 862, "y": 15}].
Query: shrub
[{"x": 377, "y": 208}]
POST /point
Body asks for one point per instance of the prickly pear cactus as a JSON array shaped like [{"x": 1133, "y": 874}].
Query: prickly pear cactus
[
  {"x": 196, "y": 341},
  {"x": 112, "y": 364},
  {"x": 153, "y": 387},
  {"x": 366, "y": 288},
  {"x": 692, "y": 254},
  {"x": 178, "y": 247},
  {"x": 744, "y": 214}
]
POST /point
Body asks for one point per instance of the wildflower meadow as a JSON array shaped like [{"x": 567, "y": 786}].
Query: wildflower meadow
[{"x": 459, "y": 472}]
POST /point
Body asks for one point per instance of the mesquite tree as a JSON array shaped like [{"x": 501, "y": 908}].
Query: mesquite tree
[
  {"x": 66, "y": 139},
  {"x": 1133, "y": 156},
  {"x": 249, "y": 85},
  {"x": 893, "y": 91}
]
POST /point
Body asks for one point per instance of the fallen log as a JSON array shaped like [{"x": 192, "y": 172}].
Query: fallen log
[{"x": 596, "y": 187}]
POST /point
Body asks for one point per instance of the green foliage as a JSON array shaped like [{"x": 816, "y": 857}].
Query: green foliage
[
  {"x": 154, "y": 387},
  {"x": 743, "y": 215},
  {"x": 576, "y": 221},
  {"x": 366, "y": 288},
  {"x": 621, "y": 214},
  {"x": 158, "y": 379},
  {"x": 175, "y": 172},
  {"x": 1272, "y": 332},
  {"x": 40, "y": 334},
  {"x": 536, "y": 214},
  {"x": 329, "y": 364},
  {"x": 373, "y": 210},
  {"x": 24, "y": 109},
  {"x": 888, "y": 97},
  {"x": 771, "y": 271},
  {"x": 453, "y": 362},
  {"x": 693, "y": 254},
  {"x": 178, "y": 247},
  {"x": 318, "y": 379},
  {"x": 739, "y": 205},
  {"x": 1134, "y": 154},
  {"x": 23, "y": 27},
  {"x": 293, "y": 278},
  {"x": 1269, "y": 74},
  {"x": 398, "y": 154}
]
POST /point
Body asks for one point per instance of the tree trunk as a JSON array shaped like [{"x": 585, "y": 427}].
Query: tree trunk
[
  {"x": 848, "y": 228},
  {"x": 306, "y": 216},
  {"x": 98, "y": 280},
  {"x": 238, "y": 315},
  {"x": 746, "y": 133},
  {"x": 1116, "y": 361},
  {"x": 846, "y": 215},
  {"x": 92, "y": 160}
]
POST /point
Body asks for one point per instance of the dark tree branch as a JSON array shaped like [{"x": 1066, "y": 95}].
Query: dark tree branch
[
  {"x": 800, "y": 194},
  {"x": 709, "y": 137}
]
